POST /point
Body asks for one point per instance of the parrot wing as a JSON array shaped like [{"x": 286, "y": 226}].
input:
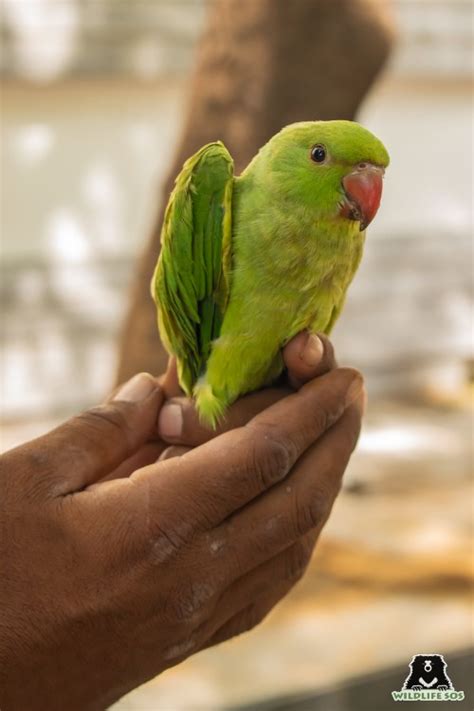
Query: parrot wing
[{"x": 190, "y": 285}]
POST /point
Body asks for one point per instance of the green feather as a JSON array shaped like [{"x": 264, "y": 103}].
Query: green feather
[
  {"x": 248, "y": 262},
  {"x": 188, "y": 279}
]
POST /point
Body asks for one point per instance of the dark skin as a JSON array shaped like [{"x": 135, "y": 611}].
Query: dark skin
[{"x": 119, "y": 566}]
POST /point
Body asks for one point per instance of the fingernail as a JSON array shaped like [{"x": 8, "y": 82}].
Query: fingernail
[
  {"x": 137, "y": 388},
  {"x": 354, "y": 390},
  {"x": 313, "y": 350},
  {"x": 170, "y": 421}
]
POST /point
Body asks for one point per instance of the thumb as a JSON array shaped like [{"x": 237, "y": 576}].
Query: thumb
[
  {"x": 307, "y": 356},
  {"x": 91, "y": 444}
]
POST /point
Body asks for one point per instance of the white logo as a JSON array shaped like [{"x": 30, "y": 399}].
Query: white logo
[{"x": 428, "y": 680}]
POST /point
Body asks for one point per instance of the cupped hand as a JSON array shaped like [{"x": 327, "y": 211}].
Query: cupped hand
[
  {"x": 108, "y": 583},
  {"x": 306, "y": 356}
]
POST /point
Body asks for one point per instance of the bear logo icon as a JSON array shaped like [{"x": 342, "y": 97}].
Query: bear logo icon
[{"x": 428, "y": 671}]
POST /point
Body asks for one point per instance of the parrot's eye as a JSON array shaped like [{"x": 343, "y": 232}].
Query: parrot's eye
[{"x": 318, "y": 153}]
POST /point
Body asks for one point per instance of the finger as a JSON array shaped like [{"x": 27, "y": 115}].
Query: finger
[
  {"x": 169, "y": 381},
  {"x": 116, "y": 393},
  {"x": 250, "y": 617},
  {"x": 286, "y": 568},
  {"x": 307, "y": 356},
  {"x": 292, "y": 508},
  {"x": 92, "y": 444},
  {"x": 212, "y": 481},
  {"x": 242, "y": 621},
  {"x": 173, "y": 451},
  {"x": 272, "y": 579},
  {"x": 179, "y": 421},
  {"x": 149, "y": 453}
]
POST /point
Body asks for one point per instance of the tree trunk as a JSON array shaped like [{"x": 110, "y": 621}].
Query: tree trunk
[{"x": 261, "y": 65}]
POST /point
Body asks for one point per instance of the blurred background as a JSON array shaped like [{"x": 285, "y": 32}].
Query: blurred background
[{"x": 100, "y": 101}]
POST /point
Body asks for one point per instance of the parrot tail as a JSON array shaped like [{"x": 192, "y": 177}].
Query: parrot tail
[{"x": 209, "y": 406}]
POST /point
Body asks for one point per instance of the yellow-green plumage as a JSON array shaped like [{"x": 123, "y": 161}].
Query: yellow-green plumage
[{"x": 247, "y": 262}]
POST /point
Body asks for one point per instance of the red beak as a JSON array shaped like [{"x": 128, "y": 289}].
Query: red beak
[{"x": 363, "y": 189}]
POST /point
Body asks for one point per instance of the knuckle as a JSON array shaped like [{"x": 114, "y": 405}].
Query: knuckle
[
  {"x": 110, "y": 417},
  {"x": 189, "y": 604},
  {"x": 271, "y": 459},
  {"x": 259, "y": 611},
  {"x": 163, "y": 548},
  {"x": 313, "y": 512},
  {"x": 319, "y": 508},
  {"x": 297, "y": 562},
  {"x": 203, "y": 510},
  {"x": 328, "y": 413},
  {"x": 182, "y": 649},
  {"x": 178, "y": 607},
  {"x": 166, "y": 543},
  {"x": 251, "y": 617}
]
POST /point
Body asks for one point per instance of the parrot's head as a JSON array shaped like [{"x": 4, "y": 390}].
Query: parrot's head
[{"x": 333, "y": 168}]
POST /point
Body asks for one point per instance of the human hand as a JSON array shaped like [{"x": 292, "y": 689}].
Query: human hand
[
  {"x": 111, "y": 582},
  {"x": 306, "y": 356}
]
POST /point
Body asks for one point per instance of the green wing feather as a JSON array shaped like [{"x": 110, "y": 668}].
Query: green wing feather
[{"x": 190, "y": 285}]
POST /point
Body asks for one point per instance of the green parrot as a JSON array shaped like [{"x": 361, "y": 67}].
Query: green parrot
[{"x": 249, "y": 261}]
